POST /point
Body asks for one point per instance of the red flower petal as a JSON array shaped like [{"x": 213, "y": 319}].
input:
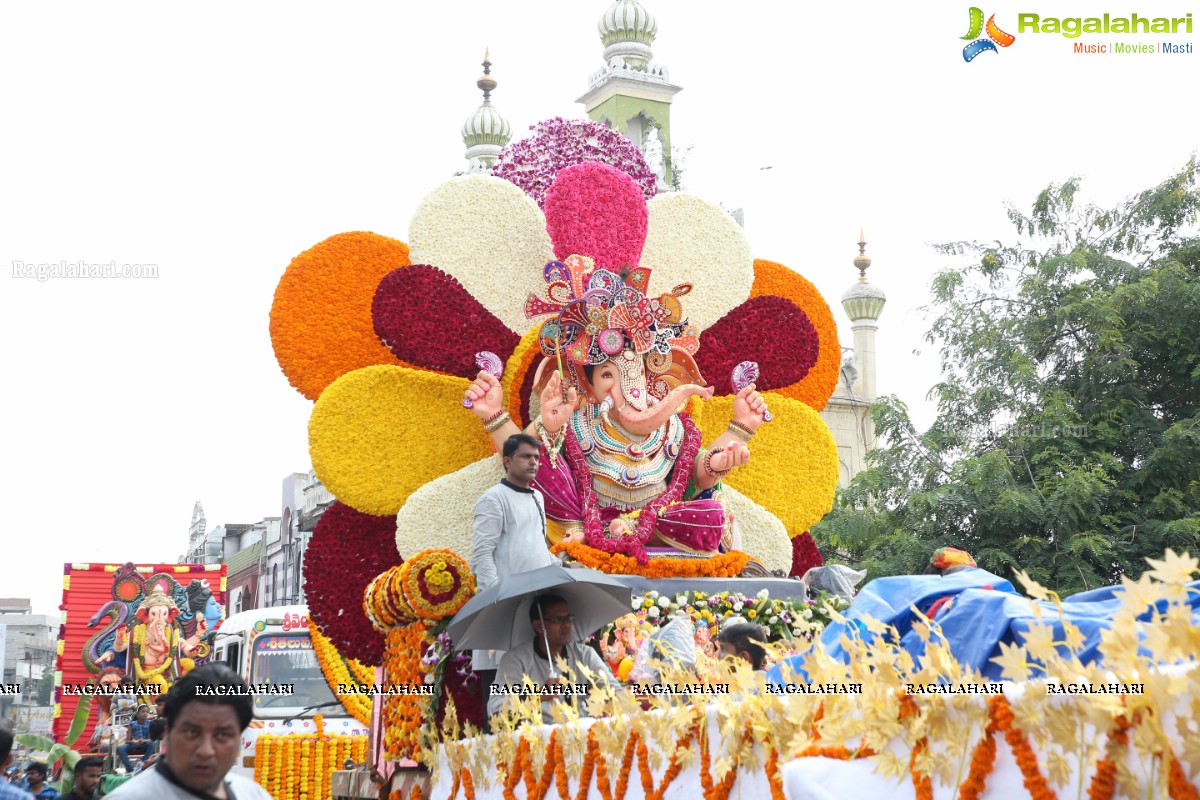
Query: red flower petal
[
  {"x": 426, "y": 317},
  {"x": 805, "y": 555},
  {"x": 773, "y": 331},
  {"x": 347, "y": 550},
  {"x": 596, "y": 210}
]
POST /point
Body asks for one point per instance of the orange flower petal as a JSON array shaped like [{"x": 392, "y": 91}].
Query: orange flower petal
[
  {"x": 815, "y": 389},
  {"x": 321, "y": 325}
]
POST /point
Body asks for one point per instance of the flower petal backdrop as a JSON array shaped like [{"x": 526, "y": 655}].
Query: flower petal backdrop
[
  {"x": 347, "y": 550},
  {"x": 490, "y": 237},
  {"x": 690, "y": 240},
  {"x": 371, "y": 440},
  {"x": 321, "y": 315},
  {"x": 816, "y": 387},
  {"x": 596, "y": 210},
  {"x": 442, "y": 512},
  {"x": 771, "y": 331},
  {"x": 793, "y": 468},
  {"x": 764, "y": 536},
  {"x": 414, "y": 310}
]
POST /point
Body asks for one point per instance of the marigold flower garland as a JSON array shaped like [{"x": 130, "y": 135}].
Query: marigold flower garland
[
  {"x": 338, "y": 669},
  {"x": 296, "y": 766},
  {"x": 347, "y": 550},
  {"x": 724, "y": 565},
  {"x": 404, "y": 714},
  {"x": 436, "y": 583},
  {"x": 321, "y": 316}
]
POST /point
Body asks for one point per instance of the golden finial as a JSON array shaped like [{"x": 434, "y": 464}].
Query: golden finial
[
  {"x": 487, "y": 83},
  {"x": 862, "y": 260}
]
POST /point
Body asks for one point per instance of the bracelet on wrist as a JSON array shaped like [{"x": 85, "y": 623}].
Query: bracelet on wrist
[
  {"x": 494, "y": 423},
  {"x": 708, "y": 467},
  {"x": 741, "y": 431}
]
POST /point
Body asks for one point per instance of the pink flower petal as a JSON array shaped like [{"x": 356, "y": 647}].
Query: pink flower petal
[{"x": 596, "y": 210}]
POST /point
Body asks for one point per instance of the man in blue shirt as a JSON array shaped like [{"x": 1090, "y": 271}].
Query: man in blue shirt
[
  {"x": 7, "y": 790},
  {"x": 138, "y": 737},
  {"x": 35, "y": 773}
]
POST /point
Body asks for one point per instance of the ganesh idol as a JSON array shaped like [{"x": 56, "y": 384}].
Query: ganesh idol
[{"x": 623, "y": 469}]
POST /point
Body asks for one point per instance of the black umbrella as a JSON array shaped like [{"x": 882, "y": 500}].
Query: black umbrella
[{"x": 498, "y": 617}]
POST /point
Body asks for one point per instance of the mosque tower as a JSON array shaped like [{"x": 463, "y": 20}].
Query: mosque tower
[
  {"x": 631, "y": 93},
  {"x": 486, "y": 132},
  {"x": 848, "y": 413}
]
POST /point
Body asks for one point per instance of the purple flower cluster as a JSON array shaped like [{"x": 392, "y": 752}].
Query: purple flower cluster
[{"x": 534, "y": 162}]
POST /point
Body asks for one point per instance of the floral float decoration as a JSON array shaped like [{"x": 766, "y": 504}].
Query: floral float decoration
[
  {"x": 385, "y": 336},
  {"x": 411, "y": 605}
]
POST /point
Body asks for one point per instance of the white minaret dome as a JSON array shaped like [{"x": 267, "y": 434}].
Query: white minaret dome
[
  {"x": 486, "y": 132},
  {"x": 863, "y": 301},
  {"x": 627, "y": 31}
]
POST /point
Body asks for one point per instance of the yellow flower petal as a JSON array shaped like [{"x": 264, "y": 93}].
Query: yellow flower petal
[
  {"x": 693, "y": 241},
  {"x": 489, "y": 235},
  {"x": 793, "y": 469},
  {"x": 379, "y": 433}
]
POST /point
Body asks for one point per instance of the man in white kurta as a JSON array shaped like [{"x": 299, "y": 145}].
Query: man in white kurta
[{"x": 510, "y": 530}]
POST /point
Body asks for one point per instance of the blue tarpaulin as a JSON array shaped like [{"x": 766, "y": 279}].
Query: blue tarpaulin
[{"x": 983, "y": 611}]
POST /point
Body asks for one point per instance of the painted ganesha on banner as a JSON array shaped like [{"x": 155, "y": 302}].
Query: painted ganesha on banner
[
  {"x": 673, "y": 379},
  {"x": 155, "y": 629}
]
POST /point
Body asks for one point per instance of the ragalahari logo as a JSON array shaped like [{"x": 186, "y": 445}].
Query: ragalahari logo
[{"x": 995, "y": 36}]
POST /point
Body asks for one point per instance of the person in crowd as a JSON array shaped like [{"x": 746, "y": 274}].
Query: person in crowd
[
  {"x": 205, "y": 715},
  {"x": 554, "y": 625},
  {"x": 137, "y": 737},
  {"x": 87, "y": 778},
  {"x": 125, "y": 702},
  {"x": 8, "y": 791},
  {"x": 745, "y": 641},
  {"x": 35, "y": 775},
  {"x": 509, "y": 533},
  {"x": 948, "y": 560}
]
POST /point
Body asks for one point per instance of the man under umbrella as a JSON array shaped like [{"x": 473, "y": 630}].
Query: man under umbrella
[{"x": 543, "y": 660}]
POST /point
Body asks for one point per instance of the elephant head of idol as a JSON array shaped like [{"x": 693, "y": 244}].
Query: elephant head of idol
[{"x": 622, "y": 349}]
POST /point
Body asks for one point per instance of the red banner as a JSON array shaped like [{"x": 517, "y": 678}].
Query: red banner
[{"x": 150, "y": 622}]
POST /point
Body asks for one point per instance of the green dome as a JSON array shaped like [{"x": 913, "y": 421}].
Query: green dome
[{"x": 627, "y": 21}]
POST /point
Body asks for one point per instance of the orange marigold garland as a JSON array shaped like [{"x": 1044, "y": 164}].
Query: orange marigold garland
[
  {"x": 300, "y": 765},
  {"x": 338, "y": 669},
  {"x": 725, "y": 565},
  {"x": 321, "y": 326},
  {"x": 404, "y": 714},
  {"x": 1035, "y": 783},
  {"x": 815, "y": 388},
  {"x": 436, "y": 583}
]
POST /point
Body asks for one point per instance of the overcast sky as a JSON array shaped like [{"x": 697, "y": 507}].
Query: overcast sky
[{"x": 219, "y": 141}]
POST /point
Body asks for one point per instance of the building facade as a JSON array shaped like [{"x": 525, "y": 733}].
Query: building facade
[{"x": 29, "y": 644}]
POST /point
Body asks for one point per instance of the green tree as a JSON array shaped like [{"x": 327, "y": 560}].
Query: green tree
[{"x": 1067, "y": 437}]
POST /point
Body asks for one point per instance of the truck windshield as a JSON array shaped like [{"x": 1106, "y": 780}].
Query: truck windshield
[{"x": 288, "y": 660}]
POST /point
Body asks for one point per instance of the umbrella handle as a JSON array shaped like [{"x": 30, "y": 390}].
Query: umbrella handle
[{"x": 546, "y": 639}]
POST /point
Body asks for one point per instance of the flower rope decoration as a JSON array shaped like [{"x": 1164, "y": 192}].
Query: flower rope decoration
[
  {"x": 405, "y": 714},
  {"x": 724, "y": 565},
  {"x": 340, "y": 670},
  {"x": 535, "y": 161},
  {"x": 300, "y": 765},
  {"x": 321, "y": 324},
  {"x": 436, "y": 583},
  {"x": 383, "y": 601},
  {"x": 347, "y": 550}
]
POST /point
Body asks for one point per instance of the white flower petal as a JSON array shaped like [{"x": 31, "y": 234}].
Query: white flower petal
[
  {"x": 490, "y": 236},
  {"x": 693, "y": 241},
  {"x": 763, "y": 535},
  {"x": 442, "y": 512}
]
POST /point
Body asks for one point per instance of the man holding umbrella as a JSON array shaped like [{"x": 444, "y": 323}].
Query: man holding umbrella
[{"x": 553, "y": 647}]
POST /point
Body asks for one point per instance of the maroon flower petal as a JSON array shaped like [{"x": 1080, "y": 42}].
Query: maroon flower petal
[
  {"x": 770, "y": 330},
  {"x": 426, "y": 318},
  {"x": 347, "y": 550},
  {"x": 805, "y": 555}
]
